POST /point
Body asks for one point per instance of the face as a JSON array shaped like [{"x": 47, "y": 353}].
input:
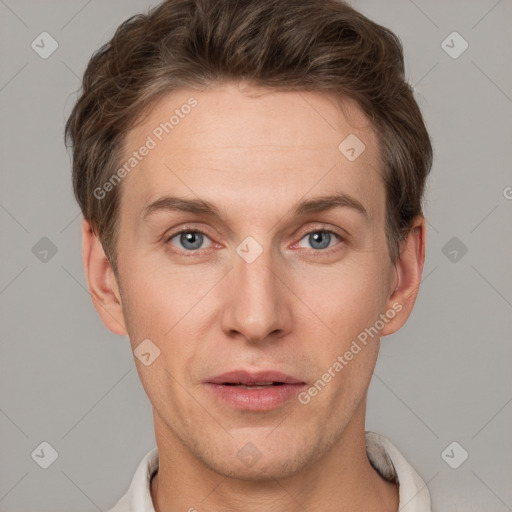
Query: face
[{"x": 267, "y": 278}]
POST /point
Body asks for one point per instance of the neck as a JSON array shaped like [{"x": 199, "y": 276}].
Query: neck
[{"x": 341, "y": 480}]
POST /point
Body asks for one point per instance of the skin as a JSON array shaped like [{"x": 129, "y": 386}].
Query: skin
[{"x": 255, "y": 154}]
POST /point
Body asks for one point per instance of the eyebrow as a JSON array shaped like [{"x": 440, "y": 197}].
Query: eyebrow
[{"x": 304, "y": 207}]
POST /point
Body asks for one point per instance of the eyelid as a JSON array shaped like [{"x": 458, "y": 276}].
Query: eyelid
[
  {"x": 328, "y": 228},
  {"x": 184, "y": 229}
]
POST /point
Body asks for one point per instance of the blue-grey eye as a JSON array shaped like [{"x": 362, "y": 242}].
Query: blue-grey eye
[
  {"x": 320, "y": 239},
  {"x": 190, "y": 240}
]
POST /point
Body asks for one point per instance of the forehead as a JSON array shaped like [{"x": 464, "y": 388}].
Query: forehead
[{"x": 259, "y": 147}]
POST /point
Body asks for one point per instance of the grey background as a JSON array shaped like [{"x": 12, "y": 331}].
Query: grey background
[{"x": 65, "y": 379}]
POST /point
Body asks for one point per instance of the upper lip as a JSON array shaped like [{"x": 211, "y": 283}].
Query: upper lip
[{"x": 247, "y": 377}]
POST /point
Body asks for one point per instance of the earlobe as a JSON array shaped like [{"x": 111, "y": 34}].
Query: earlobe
[
  {"x": 408, "y": 267},
  {"x": 102, "y": 282}
]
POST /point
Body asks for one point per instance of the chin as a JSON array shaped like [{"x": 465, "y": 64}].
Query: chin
[
  {"x": 261, "y": 460},
  {"x": 277, "y": 468}
]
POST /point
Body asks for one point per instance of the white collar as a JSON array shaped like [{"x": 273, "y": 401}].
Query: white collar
[{"x": 382, "y": 454}]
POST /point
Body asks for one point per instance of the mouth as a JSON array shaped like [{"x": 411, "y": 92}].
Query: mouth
[
  {"x": 254, "y": 391},
  {"x": 258, "y": 385}
]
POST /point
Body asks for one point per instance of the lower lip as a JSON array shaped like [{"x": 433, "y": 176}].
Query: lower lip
[{"x": 256, "y": 399}]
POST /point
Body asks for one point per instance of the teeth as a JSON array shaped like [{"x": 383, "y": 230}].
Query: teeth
[
  {"x": 256, "y": 385},
  {"x": 253, "y": 386}
]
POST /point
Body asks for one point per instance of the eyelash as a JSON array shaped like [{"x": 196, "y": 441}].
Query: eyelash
[{"x": 321, "y": 252}]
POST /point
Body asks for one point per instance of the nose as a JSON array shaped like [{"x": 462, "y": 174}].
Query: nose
[{"x": 258, "y": 304}]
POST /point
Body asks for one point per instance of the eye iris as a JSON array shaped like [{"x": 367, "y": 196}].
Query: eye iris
[
  {"x": 188, "y": 237},
  {"x": 323, "y": 238}
]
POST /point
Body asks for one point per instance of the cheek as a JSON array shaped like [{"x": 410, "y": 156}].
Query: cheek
[
  {"x": 155, "y": 297},
  {"x": 347, "y": 303},
  {"x": 164, "y": 307},
  {"x": 147, "y": 310},
  {"x": 346, "y": 299}
]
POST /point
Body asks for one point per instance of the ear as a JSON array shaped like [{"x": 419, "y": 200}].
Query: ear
[
  {"x": 409, "y": 267},
  {"x": 102, "y": 282}
]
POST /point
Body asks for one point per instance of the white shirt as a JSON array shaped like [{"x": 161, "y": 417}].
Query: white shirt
[{"x": 382, "y": 453}]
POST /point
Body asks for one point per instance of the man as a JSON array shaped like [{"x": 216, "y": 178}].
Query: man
[{"x": 251, "y": 175}]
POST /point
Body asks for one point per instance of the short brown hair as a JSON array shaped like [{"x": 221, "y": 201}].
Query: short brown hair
[{"x": 294, "y": 45}]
